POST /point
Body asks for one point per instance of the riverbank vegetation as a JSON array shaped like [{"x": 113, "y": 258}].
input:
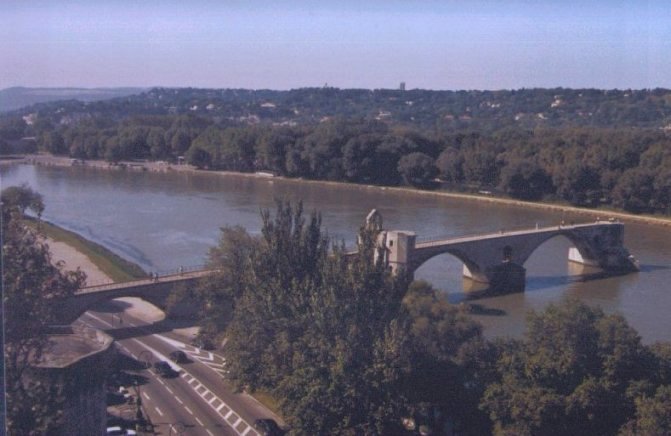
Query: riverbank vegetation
[
  {"x": 31, "y": 288},
  {"x": 588, "y": 148},
  {"x": 347, "y": 348}
]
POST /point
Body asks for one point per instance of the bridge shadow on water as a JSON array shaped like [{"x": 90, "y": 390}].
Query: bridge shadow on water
[
  {"x": 468, "y": 299},
  {"x": 652, "y": 268}
]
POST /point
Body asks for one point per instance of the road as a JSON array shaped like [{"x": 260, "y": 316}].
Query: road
[{"x": 197, "y": 397}]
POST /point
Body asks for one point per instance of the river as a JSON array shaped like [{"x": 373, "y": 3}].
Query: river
[{"x": 166, "y": 220}]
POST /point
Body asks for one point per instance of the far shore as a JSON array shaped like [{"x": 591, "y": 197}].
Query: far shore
[{"x": 153, "y": 166}]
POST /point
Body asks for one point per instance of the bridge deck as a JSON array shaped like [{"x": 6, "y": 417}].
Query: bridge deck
[
  {"x": 504, "y": 233},
  {"x": 172, "y": 278}
]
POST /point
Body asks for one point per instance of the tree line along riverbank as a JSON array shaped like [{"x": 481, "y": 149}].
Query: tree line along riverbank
[{"x": 51, "y": 160}]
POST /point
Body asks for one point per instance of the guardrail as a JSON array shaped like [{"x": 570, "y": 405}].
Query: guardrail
[{"x": 153, "y": 277}]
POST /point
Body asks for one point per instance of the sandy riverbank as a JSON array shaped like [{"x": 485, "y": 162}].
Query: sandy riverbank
[
  {"x": 73, "y": 259},
  {"x": 135, "y": 307},
  {"x": 49, "y": 160}
]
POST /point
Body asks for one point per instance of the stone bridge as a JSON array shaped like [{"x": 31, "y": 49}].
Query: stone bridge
[
  {"x": 498, "y": 258},
  {"x": 155, "y": 291},
  {"x": 494, "y": 258}
]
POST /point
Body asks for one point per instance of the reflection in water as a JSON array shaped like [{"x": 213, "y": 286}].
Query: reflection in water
[{"x": 166, "y": 220}]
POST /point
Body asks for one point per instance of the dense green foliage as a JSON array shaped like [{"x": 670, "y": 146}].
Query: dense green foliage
[
  {"x": 584, "y": 147},
  {"x": 331, "y": 336},
  {"x": 579, "y": 371},
  {"x": 346, "y": 348},
  {"x": 31, "y": 284}
]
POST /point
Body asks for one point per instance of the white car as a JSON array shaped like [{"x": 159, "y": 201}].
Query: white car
[{"x": 118, "y": 431}]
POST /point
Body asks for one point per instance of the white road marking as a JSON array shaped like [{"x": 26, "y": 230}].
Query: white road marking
[
  {"x": 199, "y": 421},
  {"x": 209, "y": 432},
  {"x": 169, "y": 390},
  {"x": 178, "y": 400},
  {"x": 184, "y": 374},
  {"x": 159, "y": 411},
  {"x": 247, "y": 430},
  {"x": 146, "y": 395}
]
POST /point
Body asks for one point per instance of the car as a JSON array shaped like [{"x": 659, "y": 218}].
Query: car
[
  {"x": 179, "y": 356},
  {"x": 118, "y": 431},
  {"x": 164, "y": 369},
  {"x": 267, "y": 427}
]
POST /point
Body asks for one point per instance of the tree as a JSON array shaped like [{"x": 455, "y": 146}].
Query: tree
[
  {"x": 199, "y": 157},
  {"x": 653, "y": 415},
  {"x": 18, "y": 199},
  {"x": 571, "y": 374},
  {"x": 31, "y": 286},
  {"x": 577, "y": 183},
  {"x": 634, "y": 191},
  {"x": 525, "y": 180},
  {"x": 417, "y": 169},
  {"x": 314, "y": 327}
]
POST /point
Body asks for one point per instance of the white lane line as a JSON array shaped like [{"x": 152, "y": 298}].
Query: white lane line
[
  {"x": 146, "y": 395},
  {"x": 176, "y": 368},
  {"x": 188, "y": 410},
  {"x": 200, "y": 422},
  {"x": 178, "y": 400},
  {"x": 169, "y": 390},
  {"x": 209, "y": 432},
  {"x": 159, "y": 411}
]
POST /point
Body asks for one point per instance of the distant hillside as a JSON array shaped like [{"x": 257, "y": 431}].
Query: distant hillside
[
  {"x": 18, "y": 97},
  {"x": 424, "y": 109}
]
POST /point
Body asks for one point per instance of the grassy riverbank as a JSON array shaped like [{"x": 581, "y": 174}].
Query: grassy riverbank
[{"x": 116, "y": 267}]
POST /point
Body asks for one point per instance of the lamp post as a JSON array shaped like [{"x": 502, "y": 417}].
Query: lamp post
[{"x": 138, "y": 405}]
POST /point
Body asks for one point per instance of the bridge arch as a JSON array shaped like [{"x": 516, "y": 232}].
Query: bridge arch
[{"x": 582, "y": 244}]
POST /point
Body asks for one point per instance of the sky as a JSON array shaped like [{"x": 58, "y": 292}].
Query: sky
[{"x": 285, "y": 44}]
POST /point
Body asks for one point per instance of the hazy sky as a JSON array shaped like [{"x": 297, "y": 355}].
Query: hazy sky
[{"x": 448, "y": 44}]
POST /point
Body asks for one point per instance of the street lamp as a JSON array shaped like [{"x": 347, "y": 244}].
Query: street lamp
[{"x": 138, "y": 404}]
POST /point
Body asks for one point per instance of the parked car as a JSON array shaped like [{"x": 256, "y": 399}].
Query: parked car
[
  {"x": 267, "y": 427},
  {"x": 179, "y": 356},
  {"x": 164, "y": 369}
]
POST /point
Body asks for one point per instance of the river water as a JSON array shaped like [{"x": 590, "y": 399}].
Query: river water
[{"x": 166, "y": 220}]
